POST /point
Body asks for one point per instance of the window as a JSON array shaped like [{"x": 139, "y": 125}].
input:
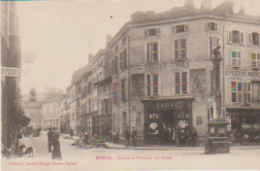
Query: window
[
  {"x": 123, "y": 59},
  {"x": 152, "y": 32},
  {"x": 235, "y": 59},
  {"x": 235, "y": 36},
  {"x": 114, "y": 92},
  {"x": 152, "y": 84},
  {"x": 123, "y": 41},
  {"x": 123, "y": 85},
  {"x": 255, "y": 60},
  {"x": 212, "y": 26},
  {"x": 115, "y": 65},
  {"x": 180, "y": 49},
  {"x": 213, "y": 43},
  {"x": 253, "y": 38},
  {"x": 236, "y": 92},
  {"x": 180, "y": 28},
  {"x": 199, "y": 120},
  {"x": 152, "y": 52},
  {"x": 255, "y": 92},
  {"x": 181, "y": 83}
]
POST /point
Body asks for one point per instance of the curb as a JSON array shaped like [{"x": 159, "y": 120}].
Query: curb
[{"x": 120, "y": 146}]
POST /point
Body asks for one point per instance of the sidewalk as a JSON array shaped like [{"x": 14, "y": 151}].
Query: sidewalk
[{"x": 171, "y": 147}]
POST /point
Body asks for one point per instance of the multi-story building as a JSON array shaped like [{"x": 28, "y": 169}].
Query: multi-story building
[
  {"x": 162, "y": 71},
  {"x": 103, "y": 119},
  {"x": 12, "y": 115},
  {"x": 50, "y": 114}
]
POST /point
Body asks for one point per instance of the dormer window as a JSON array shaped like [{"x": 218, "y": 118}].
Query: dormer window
[
  {"x": 180, "y": 28},
  {"x": 212, "y": 26},
  {"x": 152, "y": 32}
]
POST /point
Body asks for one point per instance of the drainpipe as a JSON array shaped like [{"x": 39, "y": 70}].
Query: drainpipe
[{"x": 129, "y": 80}]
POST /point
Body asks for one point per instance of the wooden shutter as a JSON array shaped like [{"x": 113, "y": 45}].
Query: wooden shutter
[
  {"x": 155, "y": 84},
  {"x": 186, "y": 27},
  {"x": 250, "y": 38},
  {"x": 177, "y": 83},
  {"x": 158, "y": 31},
  {"x": 174, "y": 29},
  {"x": 216, "y": 26},
  {"x": 145, "y": 33},
  {"x": 148, "y": 78},
  {"x": 229, "y": 36},
  {"x": 241, "y": 37},
  {"x": 184, "y": 82}
]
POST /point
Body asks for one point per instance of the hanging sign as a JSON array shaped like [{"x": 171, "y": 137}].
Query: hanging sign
[{"x": 9, "y": 72}]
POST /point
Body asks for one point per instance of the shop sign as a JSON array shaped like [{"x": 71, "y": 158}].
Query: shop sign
[
  {"x": 242, "y": 73},
  {"x": 9, "y": 72},
  {"x": 167, "y": 105}
]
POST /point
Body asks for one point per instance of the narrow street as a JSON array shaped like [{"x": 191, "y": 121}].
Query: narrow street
[{"x": 112, "y": 159}]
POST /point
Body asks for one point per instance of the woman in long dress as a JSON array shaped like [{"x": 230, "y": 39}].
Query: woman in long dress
[{"x": 56, "y": 154}]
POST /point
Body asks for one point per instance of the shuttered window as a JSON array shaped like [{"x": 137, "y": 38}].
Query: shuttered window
[
  {"x": 236, "y": 92},
  {"x": 181, "y": 83}
]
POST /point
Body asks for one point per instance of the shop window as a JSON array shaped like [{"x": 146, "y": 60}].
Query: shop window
[
  {"x": 152, "y": 50},
  {"x": 213, "y": 43},
  {"x": 181, "y": 83},
  {"x": 152, "y": 32},
  {"x": 199, "y": 120},
  {"x": 123, "y": 89},
  {"x": 137, "y": 84},
  {"x": 236, "y": 92},
  {"x": 123, "y": 59},
  {"x": 152, "y": 84},
  {"x": 255, "y": 92},
  {"x": 212, "y": 26},
  {"x": 253, "y": 38},
  {"x": 180, "y": 28},
  {"x": 255, "y": 60},
  {"x": 235, "y": 37},
  {"x": 180, "y": 49},
  {"x": 235, "y": 59}
]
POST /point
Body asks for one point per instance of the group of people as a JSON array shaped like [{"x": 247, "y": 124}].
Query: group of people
[
  {"x": 130, "y": 136},
  {"x": 186, "y": 137},
  {"x": 54, "y": 144}
]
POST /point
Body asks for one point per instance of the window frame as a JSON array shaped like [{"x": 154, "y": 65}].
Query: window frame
[
  {"x": 215, "y": 28},
  {"x": 237, "y": 59},
  {"x": 238, "y": 93},
  {"x": 257, "y": 60},
  {"x": 180, "y": 49},
  {"x": 185, "y": 25},
  {"x": 146, "y": 31},
  {"x": 146, "y": 52},
  {"x": 181, "y": 83},
  {"x": 151, "y": 92}
]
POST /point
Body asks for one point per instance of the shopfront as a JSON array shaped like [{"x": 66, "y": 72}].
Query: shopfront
[
  {"x": 245, "y": 125},
  {"x": 163, "y": 117}
]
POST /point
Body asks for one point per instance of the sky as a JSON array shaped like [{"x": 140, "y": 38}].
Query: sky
[{"x": 58, "y": 36}]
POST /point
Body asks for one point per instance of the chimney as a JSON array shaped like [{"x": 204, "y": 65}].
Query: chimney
[
  {"x": 206, "y": 5},
  {"x": 108, "y": 39},
  {"x": 189, "y": 4},
  {"x": 241, "y": 10}
]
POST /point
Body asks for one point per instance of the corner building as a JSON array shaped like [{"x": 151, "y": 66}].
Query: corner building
[{"x": 162, "y": 75}]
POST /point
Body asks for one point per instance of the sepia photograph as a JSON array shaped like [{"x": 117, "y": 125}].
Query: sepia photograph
[{"x": 127, "y": 85}]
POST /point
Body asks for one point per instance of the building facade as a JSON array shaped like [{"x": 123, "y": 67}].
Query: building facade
[{"x": 50, "y": 114}]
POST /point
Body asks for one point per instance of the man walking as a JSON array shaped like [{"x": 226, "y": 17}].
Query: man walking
[
  {"x": 127, "y": 137},
  {"x": 134, "y": 134},
  {"x": 50, "y": 137}
]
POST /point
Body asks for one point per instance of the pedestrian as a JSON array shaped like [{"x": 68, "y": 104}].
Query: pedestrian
[
  {"x": 127, "y": 137},
  {"x": 194, "y": 137},
  {"x": 56, "y": 153},
  {"x": 134, "y": 135},
  {"x": 173, "y": 135},
  {"x": 71, "y": 132},
  {"x": 50, "y": 138}
]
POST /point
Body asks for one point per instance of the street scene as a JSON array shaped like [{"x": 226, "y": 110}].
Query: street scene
[{"x": 108, "y": 85}]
